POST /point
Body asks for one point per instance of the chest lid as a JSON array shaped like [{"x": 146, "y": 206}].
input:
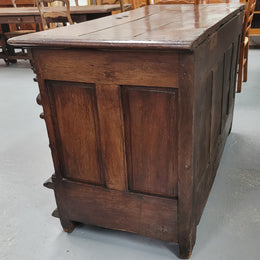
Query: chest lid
[{"x": 151, "y": 27}]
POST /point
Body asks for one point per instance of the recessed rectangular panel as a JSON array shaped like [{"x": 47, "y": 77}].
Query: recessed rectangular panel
[
  {"x": 203, "y": 124},
  {"x": 216, "y": 107},
  {"x": 227, "y": 83},
  {"x": 74, "y": 117},
  {"x": 151, "y": 144}
]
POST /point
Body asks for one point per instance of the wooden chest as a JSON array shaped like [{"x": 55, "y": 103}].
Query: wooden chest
[{"x": 138, "y": 107}]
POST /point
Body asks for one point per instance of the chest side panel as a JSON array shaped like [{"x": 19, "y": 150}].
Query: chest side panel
[
  {"x": 151, "y": 139},
  {"x": 214, "y": 103},
  {"x": 114, "y": 137}
]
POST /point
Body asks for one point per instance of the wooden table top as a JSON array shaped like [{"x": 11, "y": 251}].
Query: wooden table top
[
  {"x": 150, "y": 27},
  {"x": 26, "y": 11}
]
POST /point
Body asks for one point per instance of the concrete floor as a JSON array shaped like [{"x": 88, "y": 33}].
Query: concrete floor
[{"x": 229, "y": 228}]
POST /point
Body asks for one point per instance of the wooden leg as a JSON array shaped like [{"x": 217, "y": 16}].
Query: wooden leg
[
  {"x": 240, "y": 68},
  {"x": 67, "y": 225},
  {"x": 230, "y": 128},
  {"x": 245, "y": 67},
  {"x": 186, "y": 245}
]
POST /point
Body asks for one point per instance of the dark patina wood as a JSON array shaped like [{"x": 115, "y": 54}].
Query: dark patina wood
[
  {"x": 11, "y": 16},
  {"x": 138, "y": 107}
]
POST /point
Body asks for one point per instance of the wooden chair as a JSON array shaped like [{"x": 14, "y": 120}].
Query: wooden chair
[
  {"x": 108, "y": 2},
  {"x": 14, "y": 3},
  {"x": 141, "y": 3},
  {"x": 56, "y": 12},
  {"x": 104, "y": 2},
  {"x": 168, "y": 2},
  {"x": 244, "y": 45}
]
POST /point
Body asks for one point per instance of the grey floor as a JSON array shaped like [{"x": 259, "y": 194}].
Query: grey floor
[{"x": 229, "y": 228}]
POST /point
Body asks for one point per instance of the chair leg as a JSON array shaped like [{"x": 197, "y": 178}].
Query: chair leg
[
  {"x": 245, "y": 67},
  {"x": 4, "y": 49},
  {"x": 240, "y": 68}
]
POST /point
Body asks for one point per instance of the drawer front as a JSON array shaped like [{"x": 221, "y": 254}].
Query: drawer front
[{"x": 17, "y": 20}]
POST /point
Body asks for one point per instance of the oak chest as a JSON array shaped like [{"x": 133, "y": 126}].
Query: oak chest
[{"x": 138, "y": 107}]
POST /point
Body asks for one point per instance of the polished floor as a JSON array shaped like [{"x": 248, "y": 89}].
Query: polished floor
[{"x": 229, "y": 228}]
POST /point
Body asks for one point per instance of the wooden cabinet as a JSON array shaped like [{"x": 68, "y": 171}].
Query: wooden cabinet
[{"x": 138, "y": 107}]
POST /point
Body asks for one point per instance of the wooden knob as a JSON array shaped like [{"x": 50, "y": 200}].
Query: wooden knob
[
  {"x": 42, "y": 115},
  {"x": 39, "y": 100}
]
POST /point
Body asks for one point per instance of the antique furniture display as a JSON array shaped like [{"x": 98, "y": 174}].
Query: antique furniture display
[
  {"x": 140, "y": 3},
  {"x": 255, "y": 29},
  {"x": 244, "y": 46},
  {"x": 52, "y": 12},
  {"x": 12, "y": 30},
  {"x": 138, "y": 107},
  {"x": 31, "y": 15},
  {"x": 10, "y": 3},
  {"x": 16, "y": 31}
]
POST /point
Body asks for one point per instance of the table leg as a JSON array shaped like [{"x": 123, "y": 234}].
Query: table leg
[{"x": 7, "y": 49}]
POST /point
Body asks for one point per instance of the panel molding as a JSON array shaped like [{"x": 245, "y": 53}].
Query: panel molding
[
  {"x": 73, "y": 137},
  {"x": 151, "y": 151}
]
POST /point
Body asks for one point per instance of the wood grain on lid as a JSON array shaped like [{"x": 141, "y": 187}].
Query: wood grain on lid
[{"x": 152, "y": 27}]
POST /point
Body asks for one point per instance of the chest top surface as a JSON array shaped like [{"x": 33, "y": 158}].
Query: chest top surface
[{"x": 155, "y": 27}]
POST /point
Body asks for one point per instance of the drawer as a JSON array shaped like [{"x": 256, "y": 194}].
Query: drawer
[{"x": 10, "y": 20}]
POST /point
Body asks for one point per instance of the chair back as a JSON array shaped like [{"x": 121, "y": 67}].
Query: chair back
[
  {"x": 248, "y": 17},
  {"x": 140, "y": 3},
  {"x": 52, "y": 12},
  {"x": 108, "y": 2},
  {"x": 244, "y": 45},
  {"x": 169, "y": 2},
  {"x": 14, "y": 3}
]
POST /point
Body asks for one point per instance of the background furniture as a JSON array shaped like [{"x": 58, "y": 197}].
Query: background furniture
[
  {"x": 244, "y": 46},
  {"x": 19, "y": 3},
  {"x": 138, "y": 119},
  {"x": 31, "y": 15},
  {"x": 52, "y": 12},
  {"x": 7, "y": 3},
  {"x": 140, "y": 3},
  {"x": 16, "y": 30},
  {"x": 255, "y": 28}
]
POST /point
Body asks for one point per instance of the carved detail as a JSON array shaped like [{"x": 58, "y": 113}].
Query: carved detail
[
  {"x": 55, "y": 213},
  {"x": 39, "y": 100},
  {"x": 49, "y": 183},
  {"x": 42, "y": 115}
]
